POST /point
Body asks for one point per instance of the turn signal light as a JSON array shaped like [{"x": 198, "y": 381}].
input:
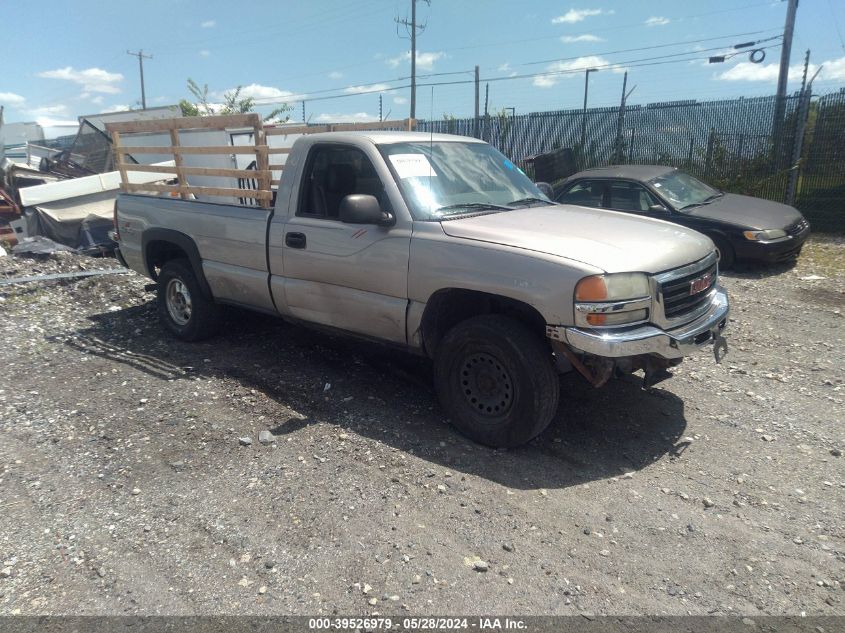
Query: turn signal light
[{"x": 591, "y": 289}]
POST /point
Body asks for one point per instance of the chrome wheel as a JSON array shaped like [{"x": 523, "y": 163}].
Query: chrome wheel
[
  {"x": 486, "y": 384},
  {"x": 178, "y": 299}
]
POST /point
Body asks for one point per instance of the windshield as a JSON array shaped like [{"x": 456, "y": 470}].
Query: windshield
[
  {"x": 682, "y": 190},
  {"x": 448, "y": 179}
]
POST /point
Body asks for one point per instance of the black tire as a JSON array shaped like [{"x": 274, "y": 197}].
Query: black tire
[
  {"x": 496, "y": 380},
  {"x": 727, "y": 257},
  {"x": 187, "y": 313}
]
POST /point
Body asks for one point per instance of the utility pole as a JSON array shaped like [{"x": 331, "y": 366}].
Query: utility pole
[
  {"x": 141, "y": 57},
  {"x": 783, "y": 76},
  {"x": 584, "y": 116},
  {"x": 379, "y": 108},
  {"x": 475, "y": 123},
  {"x": 303, "y": 111},
  {"x": 412, "y": 28}
]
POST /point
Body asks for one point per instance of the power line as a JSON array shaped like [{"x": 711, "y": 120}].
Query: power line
[
  {"x": 646, "y": 48},
  {"x": 637, "y": 63},
  {"x": 305, "y": 94}
]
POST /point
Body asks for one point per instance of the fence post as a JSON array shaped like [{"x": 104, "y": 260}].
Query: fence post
[
  {"x": 708, "y": 157},
  {"x": 797, "y": 145},
  {"x": 689, "y": 155}
]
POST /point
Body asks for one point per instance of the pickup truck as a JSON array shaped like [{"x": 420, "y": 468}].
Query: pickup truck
[{"x": 441, "y": 245}]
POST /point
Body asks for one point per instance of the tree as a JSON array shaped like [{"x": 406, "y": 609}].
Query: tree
[{"x": 233, "y": 103}]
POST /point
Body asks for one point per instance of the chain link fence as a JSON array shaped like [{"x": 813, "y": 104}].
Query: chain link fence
[{"x": 727, "y": 143}]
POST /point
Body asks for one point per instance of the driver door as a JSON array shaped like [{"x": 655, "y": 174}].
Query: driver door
[{"x": 350, "y": 276}]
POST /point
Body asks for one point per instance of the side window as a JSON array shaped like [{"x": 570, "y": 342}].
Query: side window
[
  {"x": 629, "y": 196},
  {"x": 587, "y": 193},
  {"x": 334, "y": 172}
]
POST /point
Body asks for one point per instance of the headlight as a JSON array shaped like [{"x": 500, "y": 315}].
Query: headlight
[
  {"x": 762, "y": 236},
  {"x": 616, "y": 299}
]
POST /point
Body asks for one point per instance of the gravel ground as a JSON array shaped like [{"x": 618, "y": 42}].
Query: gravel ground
[{"x": 274, "y": 470}]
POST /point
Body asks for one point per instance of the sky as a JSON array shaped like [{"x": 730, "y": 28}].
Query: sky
[{"x": 63, "y": 59}]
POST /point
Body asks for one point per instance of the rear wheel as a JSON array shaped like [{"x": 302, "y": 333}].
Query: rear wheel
[
  {"x": 182, "y": 307},
  {"x": 496, "y": 380},
  {"x": 725, "y": 251}
]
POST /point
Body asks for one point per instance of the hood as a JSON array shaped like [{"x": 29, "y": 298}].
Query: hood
[
  {"x": 609, "y": 240},
  {"x": 745, "y": 211}
]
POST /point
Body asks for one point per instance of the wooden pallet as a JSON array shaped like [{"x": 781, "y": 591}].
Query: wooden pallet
[{"x": 263, "y": 174}]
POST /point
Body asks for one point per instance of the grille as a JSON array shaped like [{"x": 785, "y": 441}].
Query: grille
[
  {"x": 797, "y": 227},
  {"x": 675, "y": 293}
]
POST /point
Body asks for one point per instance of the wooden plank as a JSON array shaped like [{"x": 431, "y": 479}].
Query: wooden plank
[
  {"x": 257, "y": 194},
  {"x": 262, "y": 161},
  {"x": 119, "y": 152},
  {"x": 177, "y": 159},
  {"x": 276, "y": 167},
  {"x": 185, "y": 123},
  {"x": 278, "y": 150},
  {"x": 210, "y": 149},
  {"x": 196, "y": 171},
  {"x": 274, "y": 182}
]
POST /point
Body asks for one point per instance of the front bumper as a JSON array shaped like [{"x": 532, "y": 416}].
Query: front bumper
[
  {"x": 772, "y": 252},
  {"x": 648, "y": 339}
]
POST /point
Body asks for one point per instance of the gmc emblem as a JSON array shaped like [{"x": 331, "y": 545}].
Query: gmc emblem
[{"x": 700, "y": 284}]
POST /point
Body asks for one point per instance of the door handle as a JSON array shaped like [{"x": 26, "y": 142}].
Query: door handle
[{"x": 295, "y": 240}]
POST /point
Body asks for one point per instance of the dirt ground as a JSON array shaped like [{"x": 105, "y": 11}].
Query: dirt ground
[{"x": 133, "y": 481}]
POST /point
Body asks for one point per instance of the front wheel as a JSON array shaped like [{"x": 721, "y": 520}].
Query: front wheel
[
  {"x": 182, "y": 307},
  {"x": 496, "y": 380},
  {"x": 727, "y": 257}
]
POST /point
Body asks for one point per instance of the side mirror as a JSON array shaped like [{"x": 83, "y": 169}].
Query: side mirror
[
  {"x": 658, "y": 208},
  {"x": 359, "y": 208},
  {"x": 546, "y": 189}
]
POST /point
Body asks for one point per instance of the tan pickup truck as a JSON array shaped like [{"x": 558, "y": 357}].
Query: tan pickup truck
[{"x": 441, "y": 245}]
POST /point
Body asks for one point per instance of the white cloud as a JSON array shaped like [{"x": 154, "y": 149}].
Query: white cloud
[
  {"x": 578, "y": 15},
  {"x": 425, "y": 61},
  {"x": 117, "y": 108},
  {"x": 205, "y": 53},
  {"x": 574, "y": 68},
  {"x": 97, "y": 100},
  {"x": 257, "y": 91},
  {"x": 746, "y": 71},
  {"x": 833, "y": 69},
  {"x": 11, "y": 99},
  {"x": 335, "y": 75},
  {"x": 400, "y": 100},
  {"x": 47, "y": 122},
  {"x": 91, "y": 79},
  {"x": 657, "y": 20},
  {"x": 345, "y": 117},
  {"x": 368, "y": 88},
  {"x": 49, "y": 111},
  {"x": 586, "y": 37},
  {"x": 208, "y": 24}
]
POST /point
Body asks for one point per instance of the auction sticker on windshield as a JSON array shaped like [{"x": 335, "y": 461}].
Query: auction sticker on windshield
[{"x": 411, "y": 165}]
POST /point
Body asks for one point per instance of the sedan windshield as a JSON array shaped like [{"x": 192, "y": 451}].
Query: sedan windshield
[
  {"x": 682, "y": 190},
  {"x": 449, "y": 179}
]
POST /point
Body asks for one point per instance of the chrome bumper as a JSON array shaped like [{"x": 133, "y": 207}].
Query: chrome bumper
[{"x": 647, "y": 339}]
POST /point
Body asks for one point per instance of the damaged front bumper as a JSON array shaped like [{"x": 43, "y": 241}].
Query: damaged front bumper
[{"x": 645, "y": 340}]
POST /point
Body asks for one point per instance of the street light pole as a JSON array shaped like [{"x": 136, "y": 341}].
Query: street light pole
[{"x": 584, "y": 115}]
